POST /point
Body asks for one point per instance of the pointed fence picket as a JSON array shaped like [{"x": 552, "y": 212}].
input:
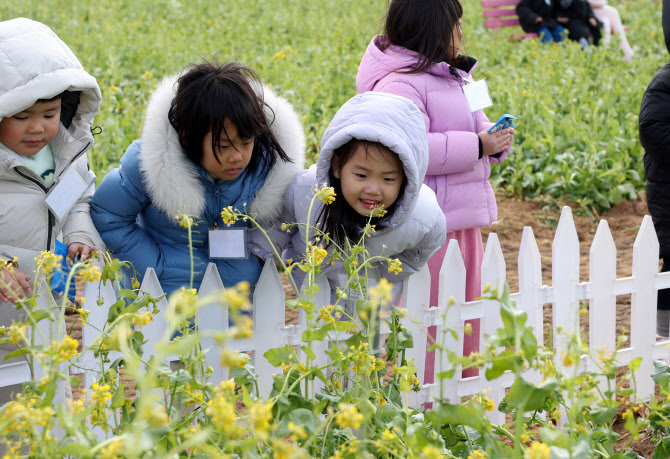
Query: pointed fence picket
[{"x": 565, "y": 295}]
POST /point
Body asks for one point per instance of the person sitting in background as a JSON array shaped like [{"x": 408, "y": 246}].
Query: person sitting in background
[
  {"x": 537, "y": 16},
  {"x": 580, "y": 21},
  {"x": 611, "y": 21}
]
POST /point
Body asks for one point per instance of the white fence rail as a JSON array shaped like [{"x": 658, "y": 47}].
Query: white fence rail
[{"x": 564, "y": 294}]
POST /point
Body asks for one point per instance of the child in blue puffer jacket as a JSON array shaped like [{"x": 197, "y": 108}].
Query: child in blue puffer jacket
[{"x": 213, "y": 137}]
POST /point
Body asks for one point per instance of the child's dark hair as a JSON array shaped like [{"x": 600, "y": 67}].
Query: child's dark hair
[
  {"x": 425, "y": 27},
  {"x": 339, "y": 219},
  {"x": 53, "y": 99},
  {"x": 209, "y": 93}
]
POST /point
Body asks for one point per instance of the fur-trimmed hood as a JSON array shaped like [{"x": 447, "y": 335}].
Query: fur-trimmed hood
[{"x": 172, "y": 180}]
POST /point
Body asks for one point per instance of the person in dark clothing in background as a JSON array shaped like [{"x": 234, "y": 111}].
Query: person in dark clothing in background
[
  {"x": 578, "y": 17},
  {"x": 537, "y": 16},
  {"x": 655, "y": 139}
]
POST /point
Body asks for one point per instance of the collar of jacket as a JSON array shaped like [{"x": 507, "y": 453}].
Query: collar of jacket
[{"x": 173, "y": 181}]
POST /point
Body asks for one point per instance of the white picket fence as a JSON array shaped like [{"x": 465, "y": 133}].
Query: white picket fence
[{"x": 564, "y": 294}]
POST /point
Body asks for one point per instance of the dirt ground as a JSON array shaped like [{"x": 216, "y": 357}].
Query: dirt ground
[{"x": 542, "y": 216}]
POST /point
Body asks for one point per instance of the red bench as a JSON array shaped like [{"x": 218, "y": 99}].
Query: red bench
[{"x": 502, "y": 13}]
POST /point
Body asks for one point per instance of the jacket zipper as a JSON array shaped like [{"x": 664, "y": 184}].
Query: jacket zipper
[
  {"x": 50, "y": 215},
  {"x": 51, "y": 218}
]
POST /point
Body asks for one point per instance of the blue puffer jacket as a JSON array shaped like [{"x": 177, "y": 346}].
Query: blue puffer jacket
[{"x": 134, "y": 207}]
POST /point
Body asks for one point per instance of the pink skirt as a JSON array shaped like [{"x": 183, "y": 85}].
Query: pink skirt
[{"x": 472, "y": 250}]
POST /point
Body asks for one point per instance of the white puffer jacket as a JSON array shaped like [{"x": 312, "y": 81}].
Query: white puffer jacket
[{"x": 35, "y": 64}]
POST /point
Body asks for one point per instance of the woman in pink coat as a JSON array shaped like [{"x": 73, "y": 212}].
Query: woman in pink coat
[{"x": 418, "y": 58}]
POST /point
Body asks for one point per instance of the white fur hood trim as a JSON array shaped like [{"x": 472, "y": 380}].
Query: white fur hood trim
[{"x": 172, "y": 180}]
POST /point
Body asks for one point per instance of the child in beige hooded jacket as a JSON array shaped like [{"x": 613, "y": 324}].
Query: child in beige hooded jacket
[{"x": 47, "y": 106}]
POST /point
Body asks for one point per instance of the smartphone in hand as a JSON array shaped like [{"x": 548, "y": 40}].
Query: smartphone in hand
[{"x": 503, "y": 122}]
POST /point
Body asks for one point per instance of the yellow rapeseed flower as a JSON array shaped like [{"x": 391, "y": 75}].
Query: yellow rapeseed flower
[
  {"x": 237, "y": 297},
  {"x": 538, "y": 450},
  {"x": 348, "y": 416},
  {"x": 64, "y": 350},
  {"x": 476, "y": 454},
  {"x": 233, "y": 359},
  {"x": 382, "y": 292},
  {"x": 431, "y": 452},
  {"x": 316, "y": 255},
  {"x": 112, "y": 450},
  {"x": 395, "y": 266},
  {"x": 90, "y": 273},
  {"x": 325, "y": 193},
  {"x": 47, "y": 261},
  {"x": 228, "y": 215},
  {"x": 17, "y": 333},
  {"x": 142, "y": 319},
  {"x": 260, "y": 416},
  {"x": 297, "y": 432}
]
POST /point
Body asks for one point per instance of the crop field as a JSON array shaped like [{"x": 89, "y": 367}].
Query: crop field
[{"x": 577, "y": 129}]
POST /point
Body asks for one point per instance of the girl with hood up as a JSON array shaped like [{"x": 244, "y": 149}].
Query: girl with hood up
[
  {"x": 213, "y": 137},
  {"x": 419, "y": 57},
  {"x": 374, "y": 154}
]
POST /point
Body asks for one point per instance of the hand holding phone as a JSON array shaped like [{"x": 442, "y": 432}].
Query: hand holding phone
[{"x": 503, "y": 122}]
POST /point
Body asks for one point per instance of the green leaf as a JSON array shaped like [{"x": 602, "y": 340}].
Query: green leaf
[
  {"x": 308, "y": 352},
  {"x": 74, "y": 450},
  {"x": 661, "y": 374},
  {"x": 662, "y": 450},
  {"x": 634, "y": 364},
  {"x": 184, "y": 345},
  {"x": 127, "y": 294},
  {"x": 602, "y": 414},
  {"x": 525, "y": 396},
  {"x": 503, "y": 362},
  {"x": 118, "y": 399},
  {"x": 17, "y": 353},
  {"x": 37, "y": 315},
  {"x": 246, "y": 398},
  {"x": 471, "y": 414},
  {"x": 300, "y": 417},
  {"x": 279, "y": 355},
  {"x": 554, "y": 437},
  {"x": 400, "y": 341},
  {"x": 115, "y": 310}
]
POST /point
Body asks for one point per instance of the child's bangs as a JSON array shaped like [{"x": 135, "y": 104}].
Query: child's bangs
[{"x": 240, "y": 109}]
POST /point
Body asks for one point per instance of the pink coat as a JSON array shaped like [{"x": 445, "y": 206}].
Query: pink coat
[{"x": 455, "y": 173}]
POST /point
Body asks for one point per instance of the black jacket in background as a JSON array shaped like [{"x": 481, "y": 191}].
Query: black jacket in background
[
  {"x": 529, "y": 10},
  {"x": 655, "y": 139},
  {"x": 579, "y": 13}
]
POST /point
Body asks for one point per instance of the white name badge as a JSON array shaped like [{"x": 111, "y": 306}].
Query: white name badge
[
  {"x": 228, "y": 243},
  {"x": 63, "y": 196},
  {"x": 477, "y": 94}
]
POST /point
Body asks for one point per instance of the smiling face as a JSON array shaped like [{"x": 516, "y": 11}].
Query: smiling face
[
  {"x": 27, "y": 132},
  {"x": 371, "y": 177},
  {"x": 232, "y": 153}
]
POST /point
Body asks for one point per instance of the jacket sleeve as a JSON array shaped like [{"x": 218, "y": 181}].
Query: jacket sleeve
[
  {"x": 415, "y": 258},
  {"x": 449, "y": 152},
  {"x": 117, "y": 202},
  {"x": 279, "y": 240},
  {"x": 78, "y": 225},
  {"x": 654, "y": 124},
  {"x": 526, "y": 15}
]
